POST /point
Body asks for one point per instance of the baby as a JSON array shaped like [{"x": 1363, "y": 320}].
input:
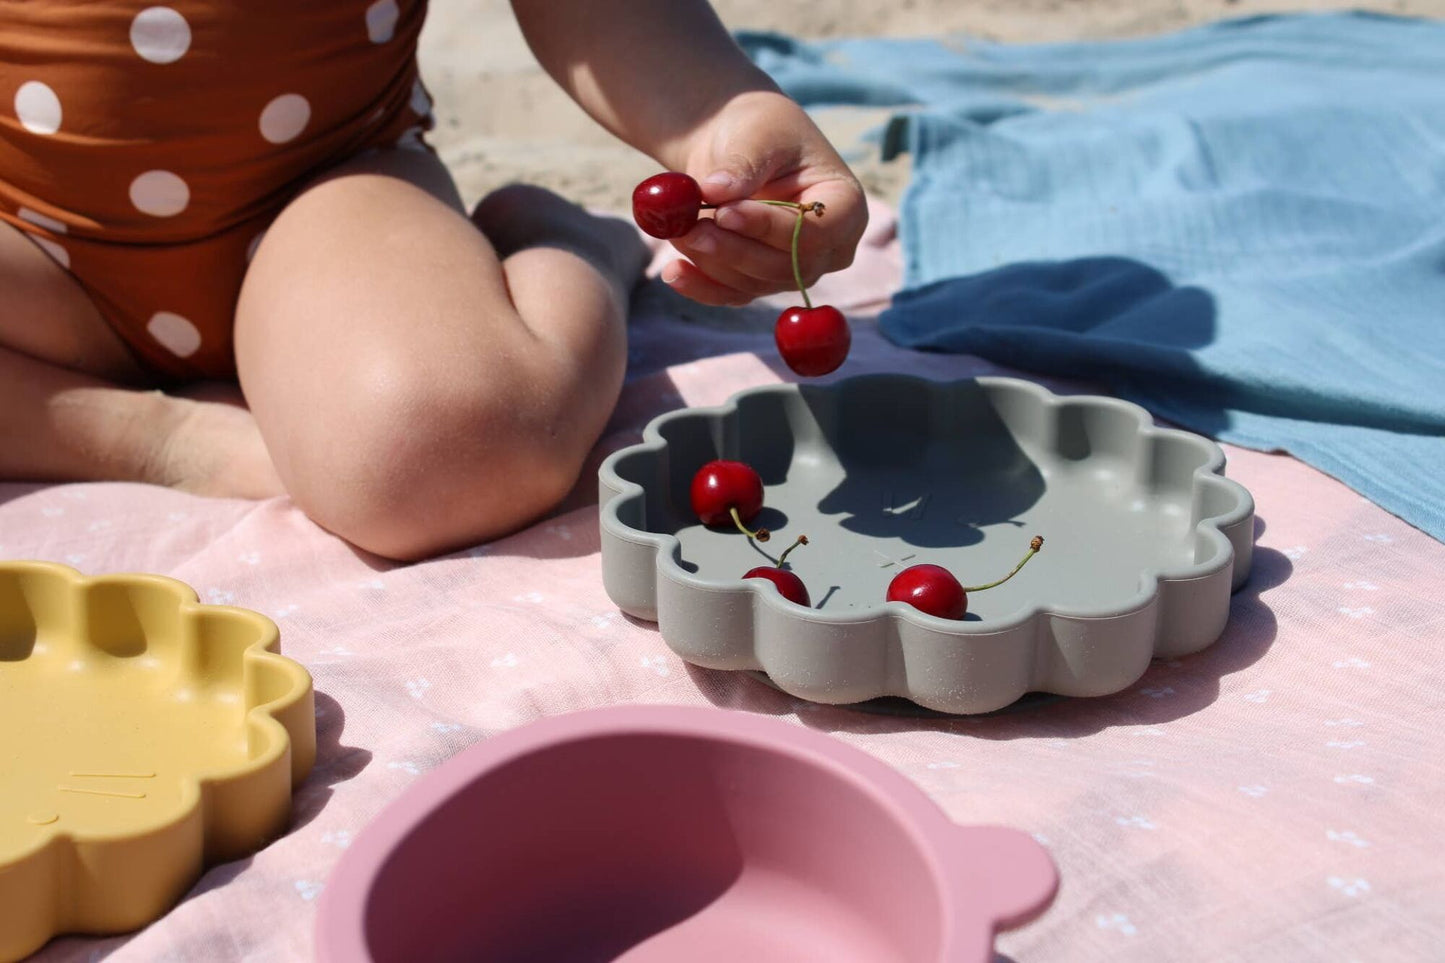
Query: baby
[{"x": 212, "y": 194}]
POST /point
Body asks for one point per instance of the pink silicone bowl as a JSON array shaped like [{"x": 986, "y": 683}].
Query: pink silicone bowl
[{"x": 675, "y": 834}]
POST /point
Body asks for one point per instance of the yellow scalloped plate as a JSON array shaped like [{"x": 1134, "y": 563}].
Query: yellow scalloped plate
[{"x": 143, "y": 736}]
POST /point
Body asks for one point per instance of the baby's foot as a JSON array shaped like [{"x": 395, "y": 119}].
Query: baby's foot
[
  {"x": 520, "y": 216},
  {"x": 214, "y": 448}
]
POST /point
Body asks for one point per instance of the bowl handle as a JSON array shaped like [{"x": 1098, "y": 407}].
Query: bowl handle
[{"x": 999, "y": 878}]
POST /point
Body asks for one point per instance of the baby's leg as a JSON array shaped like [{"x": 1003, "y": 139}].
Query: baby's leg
[
  {"x": 72, "y": 407},
  {"x": 418, "y": 387}
]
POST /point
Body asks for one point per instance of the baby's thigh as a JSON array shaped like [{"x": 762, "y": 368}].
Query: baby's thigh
[
  {"x": 371, "y": 286},
  {"x": 386, "y": 366},
  {"x": 46, "y": 314}
]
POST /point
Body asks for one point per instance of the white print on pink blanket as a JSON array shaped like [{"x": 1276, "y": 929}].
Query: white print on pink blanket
[{"x": 1300, "y": 746}]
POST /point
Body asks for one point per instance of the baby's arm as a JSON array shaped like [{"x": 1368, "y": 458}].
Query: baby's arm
[
  {"x": 666, "y": 77},
  {"x": 647, "y": 70}
]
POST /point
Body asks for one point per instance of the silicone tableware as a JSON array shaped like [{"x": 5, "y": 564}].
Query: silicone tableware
[
  {"x": 1144, "y": 539},
  {"x": 143, "y": 735},
  {"x": 655, "y": 834}
]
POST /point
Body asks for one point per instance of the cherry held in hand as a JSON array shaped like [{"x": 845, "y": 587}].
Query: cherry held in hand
[
  {"x": 667, "y": 204},
  {"x": 726, "y": 492},
  {"x": 934, "y": 590},
  {"x": 811, "y": 340},
  {"x": 789, "y": 585}
]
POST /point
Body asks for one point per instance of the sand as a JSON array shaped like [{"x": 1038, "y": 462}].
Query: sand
[{"x": 500, "y": 119}]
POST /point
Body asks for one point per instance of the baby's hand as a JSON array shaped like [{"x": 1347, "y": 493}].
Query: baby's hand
[{"x": 762, "y": 145}]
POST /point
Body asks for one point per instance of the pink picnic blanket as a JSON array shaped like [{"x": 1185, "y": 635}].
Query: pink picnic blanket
[{"x": 1275, "y": 797}]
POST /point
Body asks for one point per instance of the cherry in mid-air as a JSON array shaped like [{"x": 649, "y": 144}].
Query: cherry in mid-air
[
  {"x": 667, "y": 204},
  {"x": 789, "y": 585},
  {"x": 813, "y": 341},
  {"x": 727, "y": 492},
  {"x": 934, "y": 590}
]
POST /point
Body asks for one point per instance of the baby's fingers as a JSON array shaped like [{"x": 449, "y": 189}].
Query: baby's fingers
[
  {"x": 688, "y": 280},
  {"x": 827, "y": 238},
  {"x": 738, "y": 261},
  {"x": 770, "y": 224}
]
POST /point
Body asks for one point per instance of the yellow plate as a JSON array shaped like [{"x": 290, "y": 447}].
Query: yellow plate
[{"x": 143, "y": 736}]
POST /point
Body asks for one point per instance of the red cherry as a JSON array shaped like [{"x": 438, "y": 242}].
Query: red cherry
[
  {"x": 788, "y": 583},
  {"x": 728, "y": 493},
  {"x": 934, "y": 590},
  {"x": 666, "y": 205},
  {"x": 813, "y": 341},
  {"x": 931, "y": 589}
]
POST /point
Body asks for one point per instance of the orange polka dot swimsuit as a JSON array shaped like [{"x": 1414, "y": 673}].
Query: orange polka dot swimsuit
[{"x": 147, "y": 148}]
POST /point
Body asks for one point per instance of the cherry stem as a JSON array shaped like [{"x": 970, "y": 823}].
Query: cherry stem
[
  {"x": 814, "y": 207},
  {"x": 797, "y": 274},
  {"x": 817, "y": 208},
  {"x": 1034, "y": 546},
  {"x": 801, "y": 540},
  {"x": 762, "y": 534}
]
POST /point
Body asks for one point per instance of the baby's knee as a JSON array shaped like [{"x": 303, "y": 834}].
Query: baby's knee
[{"x": 421, "y": 467}]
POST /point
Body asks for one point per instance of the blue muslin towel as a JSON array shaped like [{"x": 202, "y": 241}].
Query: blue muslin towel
[{"x": 1239, "y": 226}]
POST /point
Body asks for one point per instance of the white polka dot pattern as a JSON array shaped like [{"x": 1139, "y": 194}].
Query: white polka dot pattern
[
  {"x": 381, "y": 19},
  {"x": 175, "y": 333},
  {"x": 191, "y": 192},
  {"x": 159, "y": 193},
  {"x": 37, "y": 108},
  {"x": 160, "y": 35},
  {"x": 284, "y": 118}
]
